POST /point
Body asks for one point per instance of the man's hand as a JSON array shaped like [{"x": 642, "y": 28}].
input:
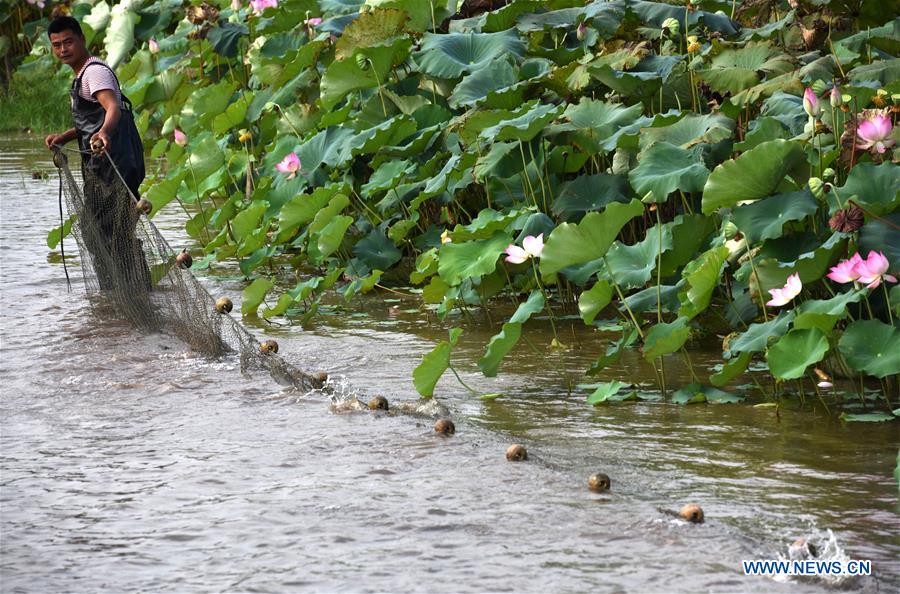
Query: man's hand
[
  {"x": 100, "y": 142},
  {"x": 53, "y": 139}
]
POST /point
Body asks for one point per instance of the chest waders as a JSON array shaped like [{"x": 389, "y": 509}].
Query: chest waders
[{"x": 117, "y": 255}]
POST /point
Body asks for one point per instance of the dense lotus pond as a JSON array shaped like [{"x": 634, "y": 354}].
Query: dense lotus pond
[{"x": 129, "y": 463}]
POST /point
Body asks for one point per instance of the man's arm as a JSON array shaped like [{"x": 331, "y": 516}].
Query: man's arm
[
  {"x": 107, "y": 98},
  {"x": 63, "y": 138}
]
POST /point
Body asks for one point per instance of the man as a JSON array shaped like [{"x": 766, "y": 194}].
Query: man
[{"x": 105, "y": 130}]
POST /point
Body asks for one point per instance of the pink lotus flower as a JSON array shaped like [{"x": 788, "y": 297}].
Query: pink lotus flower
[
  {"x": 532, "y": 247},
  {"x": 786, "y": 294},
  {"x": 181, "y": 138},
  {"x": 845, "y": 271},
  {"x": 873, "y": 269},
  {"x": 235, "y": 5},
  {"x": 289, "y": 165},
  {"x": 313, "y": 22},
  {"x": 153, "y": 46},
  {"x": 260, "y": 5},
  {"x": 811, "y": 103},
  {"x": 873, "y": 133}
]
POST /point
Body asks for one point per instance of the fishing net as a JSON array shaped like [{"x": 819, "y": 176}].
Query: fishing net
[{"x": 135, "y": 273}]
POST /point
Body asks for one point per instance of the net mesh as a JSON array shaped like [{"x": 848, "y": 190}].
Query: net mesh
[{"x": 128, "y": 263}]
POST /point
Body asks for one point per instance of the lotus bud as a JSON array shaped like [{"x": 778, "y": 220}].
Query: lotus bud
[
  {"x": 516, "y": 453},
  {"x": 811, "y": 103},
  {"x": 224, "y": 305},
  {"x": 598, "y": 482},
  {"x": 671, "y": 25},
  {"x": 445, "y": 427},
  {"x": 379, "y": 403},
  {"x": 269, "y": 346},
  {"x": 184, "y": 260},
  {"x": 580, "y": 31},
  {"x": 835, "y": 97},
  {"x": 692, "y": 513},
  {"x": 817, "y": 187},
  {"x": 143, "y": 205}
]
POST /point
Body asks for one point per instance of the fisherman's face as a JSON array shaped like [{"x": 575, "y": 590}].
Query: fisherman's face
[{"x": 68, "y": 46}]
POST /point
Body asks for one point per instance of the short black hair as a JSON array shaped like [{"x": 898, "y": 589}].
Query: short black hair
[{"x": 64, "y": 23}]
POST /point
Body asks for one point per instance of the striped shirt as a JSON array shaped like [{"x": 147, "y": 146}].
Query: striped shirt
[{"x": 97, "y": 78}]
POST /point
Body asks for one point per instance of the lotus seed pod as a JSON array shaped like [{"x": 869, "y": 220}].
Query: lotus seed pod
[
  {"x": 224, "y": 305},
  {"x": 379, "y": 403},
  {"x": 817, "y": 187},
  {"x": 671, "y": 25},
  {"x": 598, "y": 482},
  {"x": 143, "y": 205},
  {"x": 692, "y": 513},
  {"x": 516, "y": 453},
  {"x": 445, "y": 427},
  {"x": 269, "y": 346},
  {"x": 184, "y": 260}
]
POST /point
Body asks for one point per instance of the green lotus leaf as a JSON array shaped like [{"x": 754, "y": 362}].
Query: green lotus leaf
[
  {"x": 592, "y": 301},
  {"x": 609, "y": 392},
  {"x": 377, "y": 251},
  {"x": 756, "y": 338},
  {"x": 434, "y": 364},
  {"x": 732, "y": 369},
  {"x": 789, "y": 357},
  {"x": 735, "y": 70},
  {"x": 702, "y": 277},
  {"x": 248, "y": 219},
  {"x": 529, "y": 121},
  {"x": 755, "y": 174},
  {"x": 690, "y": 130},
  {"x": 614, "y": 351},
  {"x": 655, "y": 13},
  {"x": 689, "y": 233},
  {"x": 502, "y": 343},
  {"x": 498, "y": 74},
  {"x": 595, "y": 125},
  {"x": 328, "y": 239},
  {"x": 226, "y": 37},
  {"x": 472, "y": 259},
  {"x": 811, "y": 266},
  {"x": 765, "y": 219},
  {"x": 872, "y": 347},
  {"x": 876, "y": 187},
  {"x": 206, "y": 158},
  {"x": 606, "y": 17},
  {"x": 875, "y": 417},
  {"x": 120, "y": 33},
  {"x": 453, "y": 54},
  {"x": 695, "y": 393},
  {"x": 373, "y": 27},
  {"x": 341, "y": 6},
  {"x": 632, "y": 265},
  {"x": 664, "y": 168},
  {"x": 881, "y": 235},
  {"x": 571, "y": 244},
  {"x": 666, "y": 338},
  {"x": 254, "y": 294},
  {"x": 366, "y": 72},
  {"x": 588, "y": 193}
]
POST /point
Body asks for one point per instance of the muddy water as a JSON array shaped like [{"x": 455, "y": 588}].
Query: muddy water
[{"x": 131, "y": 464}]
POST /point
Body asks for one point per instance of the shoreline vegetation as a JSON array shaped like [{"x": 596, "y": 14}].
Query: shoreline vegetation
[{"x": 661, "y": 173}]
